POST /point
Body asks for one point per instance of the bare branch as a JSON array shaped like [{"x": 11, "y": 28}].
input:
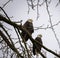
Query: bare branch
[
  {"x": 4, "y": 12},
  {"x": 51, "y": 24},
  {"x": 8, "y": 43},
  {"x": 6, "y": 3},
  {"x": 41, "y": 27}
]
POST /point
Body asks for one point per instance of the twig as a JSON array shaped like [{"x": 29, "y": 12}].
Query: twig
[{"x": 41, "y": 27}]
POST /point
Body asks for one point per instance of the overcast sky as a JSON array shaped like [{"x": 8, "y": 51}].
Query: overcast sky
[{"x": 19, "y": 10}]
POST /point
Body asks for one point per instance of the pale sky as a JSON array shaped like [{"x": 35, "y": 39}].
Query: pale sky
[{"x": 18, "y": 9}]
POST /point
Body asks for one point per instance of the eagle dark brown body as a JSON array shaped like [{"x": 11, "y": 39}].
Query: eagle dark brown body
[
  {"x": 37, "y": 47},
  {"x": 29, "y": 27}
]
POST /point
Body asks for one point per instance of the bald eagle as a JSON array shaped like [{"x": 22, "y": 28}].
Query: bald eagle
[
  {"x": 29, "y": 27},
  {"x": 37, "y": 47}
]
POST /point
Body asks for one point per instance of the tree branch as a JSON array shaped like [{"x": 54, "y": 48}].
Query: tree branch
[{"x": 9, "y": 44}]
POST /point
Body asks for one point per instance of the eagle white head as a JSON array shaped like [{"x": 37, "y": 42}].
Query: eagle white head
[
  {"x": 39, "y": 35},
  {"x": 30, "y": 20}
]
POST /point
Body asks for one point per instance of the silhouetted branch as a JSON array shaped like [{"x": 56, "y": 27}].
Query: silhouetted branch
[
  {"x": 6, "y": 33},
  {"x": 4, "y": 12},
  {"x": 9, "y": 44}
]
